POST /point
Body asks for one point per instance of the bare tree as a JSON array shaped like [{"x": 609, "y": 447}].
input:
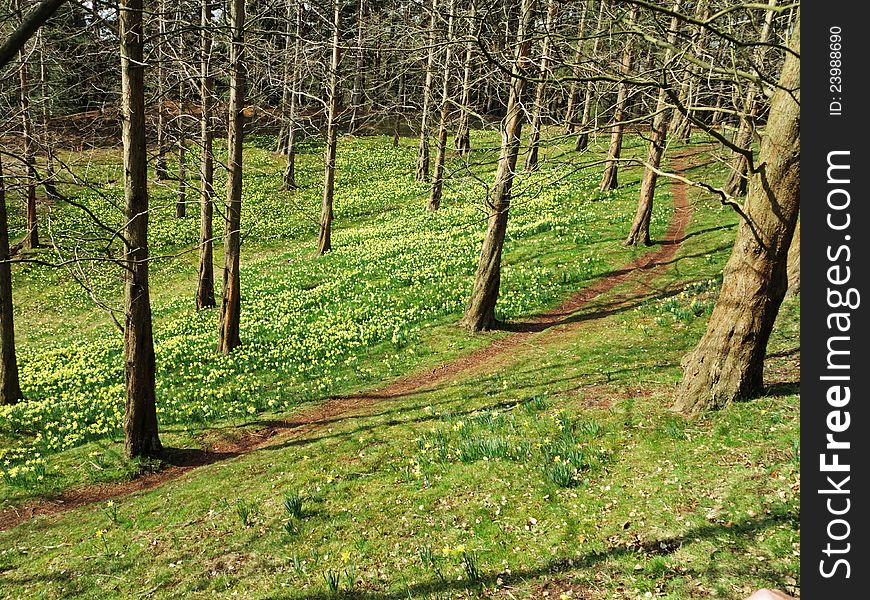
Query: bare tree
[
  {"x": 535, "y": 134},
  {"x": 324, "y": 242},
  {"x": 10, "y": 390},
  {"x": 422, "y": 173},
  {"x": 463, "y": 130},
  {"x": 205, "y": 277},
  {"x": 438, "y": 178}
]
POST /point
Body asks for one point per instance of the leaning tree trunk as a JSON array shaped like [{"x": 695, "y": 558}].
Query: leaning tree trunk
[
  {"x": 480, "y": 313},
  {"x": 570, "y": 125},
  {"x": 609, "y": 180},
  {"x": 422, "y": 173},
  {"x": 639, "y": 233},
  {"x": 140, "y": 417},
  {"x": 31, "y": 238},
  {"x": 229, "y": 338},
  {"x": 10, "y": 390},
  {"x": 438, "y": 178},
  {"x": 535, "y": 134},
  {"x": 738, "y": 181},
  {"x": 290, "y": 170},
  {"x": 205, "y": 278},
  {"x": 324, "y": 242},
  {"x": 728, "y": 362},
  {"x": 582, "y": 141},
  {"x": 463, "y": 129}
]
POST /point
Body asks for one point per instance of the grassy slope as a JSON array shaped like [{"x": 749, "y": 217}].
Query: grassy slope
[{"x": 414, "y": 495}]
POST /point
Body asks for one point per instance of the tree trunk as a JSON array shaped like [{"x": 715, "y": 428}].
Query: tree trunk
[
  {"x": 324, "y": 242},
  {"x": 611, "y": 169},
  {"x": 356, "y": 98},
  {"x": 31, "y": 238},
  {"x": 535, "y": 135},
  {"x": 438, "y": 179},
  {"x": 463, "y": 130},
  {"x": 160, "y": 172},
  {"x": 728, "y": 362},
  {"x": 480, "y": 313},
  {"x": 140, "y": 417},
  {"x": 423, "y": 154},
  {"x": 289, "y": 69},
  {"x": 205, "y": 278},
  {"x": 639, "y": 233},
  {"x": 31, "y": 23},
  {"x": 582, "y": 141},
  {"x": 10, "y": 390},
  {"x": 793, "y": 262},
  {"x": 570, "y": 125},
  {"x": 181, "y": 201},
  {"x": 231, "y": 303},
  {"x": 49, "y": 182},
  {"x": 290, "y": 169}
]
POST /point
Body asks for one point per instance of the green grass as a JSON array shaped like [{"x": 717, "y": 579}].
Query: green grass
[{"x": 556, "y": 468}]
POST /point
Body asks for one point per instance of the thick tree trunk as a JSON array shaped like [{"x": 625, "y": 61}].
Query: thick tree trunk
[
  {"x": 229, "y": 338},
  {"x": 422, "y": 173},
  {"x": 463, "y": 129},
  {"x": 324, "y": 241},
  {"x": 535, "y": 134},
  {"x": 31, "y": 237},
  {"x": 205, "y": 279},
  {"x": 10, "y": 390},
  {"x": 610, "y": 180},
  {"x": 438, "y": 178},
  {"x": 728, "y": 362},
  {"x": 639, "y": 233},
  {"x": 140, "y": 417},
  {"x": 480, "y": 313}
]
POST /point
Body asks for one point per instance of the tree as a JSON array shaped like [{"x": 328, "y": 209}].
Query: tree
[
  {"x": 438, "y": 178},
  {"x": 31, "y": 237},
  {"x": 728, "y": 362},
  {"x": 463, "y": 130},
  {"x": 480, "y": 313},
  {"x": 205, "y": 276},
  {"x": 160, "y": 172},
  {"x": 229, "y": 338},
  {"x": 10, "y": 390},
  {"x": 535, "y": 135},
  {"x": 422, "y": 173},
  {"x": 324, "y": 242},
  {"x": 140, "y": 417},
  {"x": 290, "y": 89},
  {"x": 31, "y": 23},
  {"x": 609, "y": 180},
  {"x": 582, "y": 141}
]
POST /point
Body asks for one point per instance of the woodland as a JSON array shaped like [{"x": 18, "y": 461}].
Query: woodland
[{"x": 399, "y": 298}]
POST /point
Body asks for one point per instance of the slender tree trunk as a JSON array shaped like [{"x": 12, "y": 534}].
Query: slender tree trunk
[
  {"x": 181, "y": 201},
  {"x": 140, "y": 418},
  {"x": 356, "y": 98},
  {"x": 737, "y": 181},
  {"x": 728, "y": 362},
  {"x": 570, "y": 125},
  {"x": 229, "y": 337},
  {"x": 423, "y": 154},
  {"x": 290, "y": 169},
  {"x": 324, "y": 242},
  {"x": 205, "y": 279},
  {"x": 438, "y": 179},
  {"x": 289, "y": 72},
  {"x": 639, "y": 233},
  {"x": 31, "y": 238},
  {"x": 535, "y": 135},
  {"x": 582, "y": 141},
  {"x": 160, "y": 171},
  {"x": 480, "y": 313},
  {"x": 10, "y": 390},
  {"x": 611, "y": 169},
  {"x": 49, "y": 182},
  {"x": 463, "y": 130}
]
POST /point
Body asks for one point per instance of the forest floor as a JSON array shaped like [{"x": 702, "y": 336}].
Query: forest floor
[{"x": 541, "y": 462}]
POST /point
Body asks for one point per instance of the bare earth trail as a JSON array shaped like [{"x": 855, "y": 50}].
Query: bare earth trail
[{"x": 639, "y": 271}]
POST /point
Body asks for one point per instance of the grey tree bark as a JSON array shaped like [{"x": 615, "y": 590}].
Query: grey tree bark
[
  {"x": 441, "y": 150},
  {"x": 610, "y": 179},
  {"x": 324, "y": 242},
  {"x": 535, "y": 134},
  {"x": 422, "y": 173},
  {"x": 205, "y": 278}
]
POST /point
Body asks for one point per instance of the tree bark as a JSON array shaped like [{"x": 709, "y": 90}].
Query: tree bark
[
  {"x": 290, "y": 170},
  {"x": 356, "y": 98},
  {"x": 570, "y": 125},
  {"x": 31, "y": 23},
  {"x": 639, "y": 233},
  {"x": 794, "y": 262},
  {"x": 229, "y": 338},
  {"x": 160, "y": 171},
  {"x": 423, "y": 153},
  {"x": 610, "y": 180},
  {"x": 535, "y": 134},
  {"x": 480, "y": 313},
  {"x": 324, "y": 242},
  {"x": 181, "y": 200},
  {"x": 205, "y": 279},
  {"x": 31, "y": 237},
  {"x": 140, "y": 417},
  {"x": 582, "y": 141},
  {"x": 289, "y": 68},
  {"x": 463, "y": 130},
  {"x": 438, "y": 178},
  {"x": 10, "y": 390},
  {"x": 728, "y": 362},
  {"x": 49, "y": 182}
]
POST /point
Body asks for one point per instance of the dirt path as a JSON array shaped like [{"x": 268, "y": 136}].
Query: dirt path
[{"x": 640, "y": 270}]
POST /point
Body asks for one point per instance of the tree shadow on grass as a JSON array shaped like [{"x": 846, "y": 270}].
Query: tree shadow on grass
[{"x": 659, "y": 547}]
